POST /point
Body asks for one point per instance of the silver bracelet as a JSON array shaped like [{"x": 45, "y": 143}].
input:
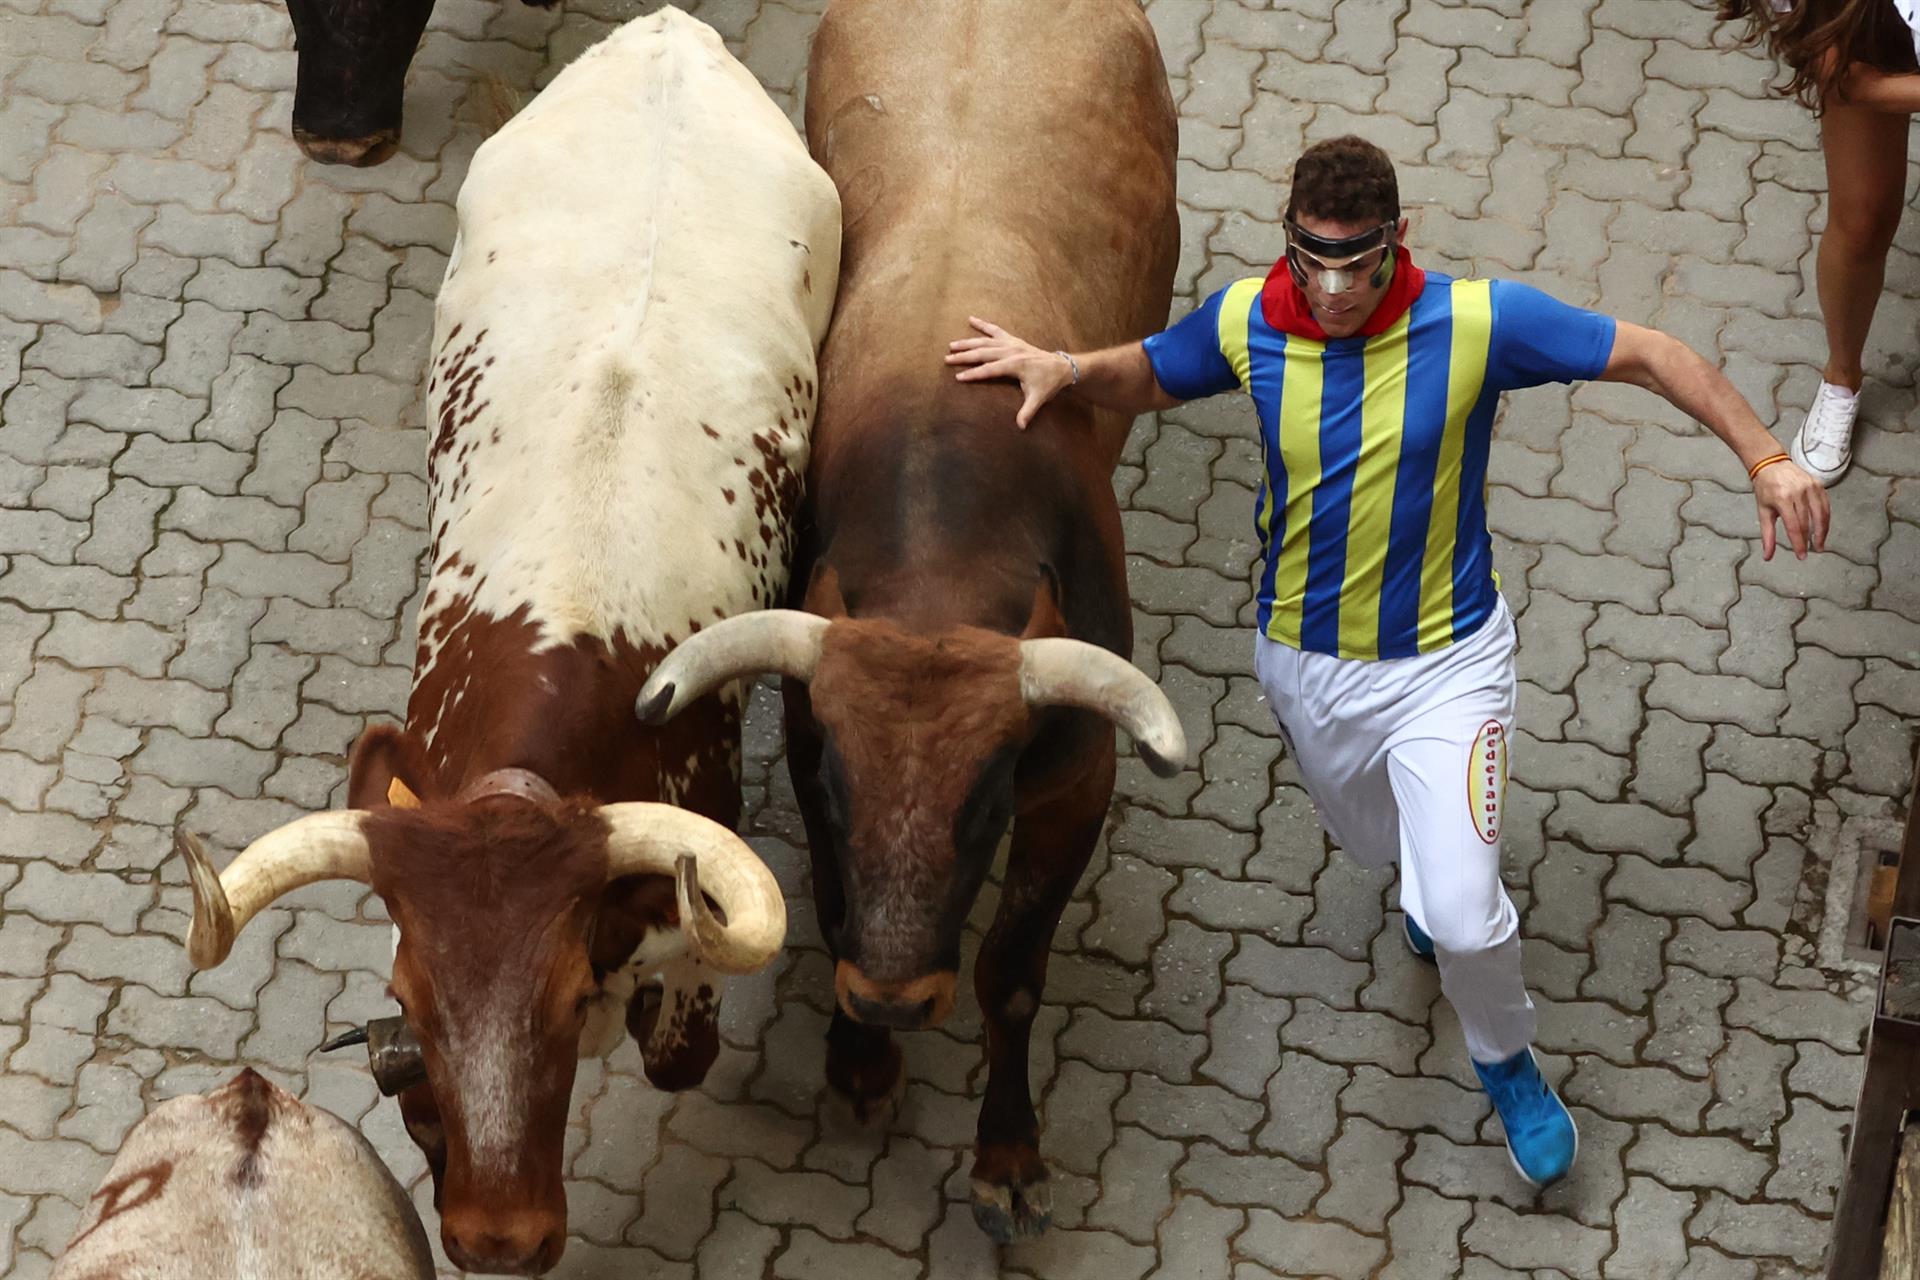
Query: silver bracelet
[{"x": 1071, "y": 364}]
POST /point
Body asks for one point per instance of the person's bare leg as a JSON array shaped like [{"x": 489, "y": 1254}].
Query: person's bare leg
[{"x": 1866, "y": 153}]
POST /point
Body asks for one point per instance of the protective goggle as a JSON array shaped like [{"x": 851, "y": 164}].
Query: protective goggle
[{"x": 1339, "y": 265}]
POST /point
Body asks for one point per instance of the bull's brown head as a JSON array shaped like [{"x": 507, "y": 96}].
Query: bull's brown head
[
  {"x": 922, "y": 739},
  {"x": 496, "y": 897}
]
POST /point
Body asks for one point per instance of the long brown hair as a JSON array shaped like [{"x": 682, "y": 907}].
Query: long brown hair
[{"x": 1819, "y": 39}]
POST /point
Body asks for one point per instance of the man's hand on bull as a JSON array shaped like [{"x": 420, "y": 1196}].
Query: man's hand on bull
[
  {"x": 1114, "y": 378},
  {"x": 1042, "y": 375}
]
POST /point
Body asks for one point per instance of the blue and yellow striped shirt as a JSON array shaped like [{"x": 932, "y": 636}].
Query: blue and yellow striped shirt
[{"x": 1372, "y": 519}]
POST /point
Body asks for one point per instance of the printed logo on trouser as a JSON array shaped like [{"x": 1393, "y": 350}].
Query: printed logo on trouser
[{"x": 1487, "y": 779}]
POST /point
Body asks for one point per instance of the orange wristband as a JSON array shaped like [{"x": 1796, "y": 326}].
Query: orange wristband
[{"x": 1764, "y": 463}]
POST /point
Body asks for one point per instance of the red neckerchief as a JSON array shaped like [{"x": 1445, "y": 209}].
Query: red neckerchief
[{"x": 1286, "y": 309}]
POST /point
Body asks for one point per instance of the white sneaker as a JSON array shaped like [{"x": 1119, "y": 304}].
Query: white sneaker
[{"x": 1824, "y": 444}]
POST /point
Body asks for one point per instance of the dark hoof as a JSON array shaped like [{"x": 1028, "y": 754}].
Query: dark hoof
[
  {"x": 1010, "y": 1212},
  {"x": 358, "y": 152}
]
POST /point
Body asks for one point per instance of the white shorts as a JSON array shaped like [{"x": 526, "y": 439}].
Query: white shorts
[{"x": 1406, "y": 759}]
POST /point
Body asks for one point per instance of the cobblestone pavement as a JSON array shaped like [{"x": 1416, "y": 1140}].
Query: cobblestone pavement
[{"x": 211, "y": 513}]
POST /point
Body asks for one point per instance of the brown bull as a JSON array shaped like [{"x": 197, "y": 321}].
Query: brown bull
[{"x": 965, "y": 581}]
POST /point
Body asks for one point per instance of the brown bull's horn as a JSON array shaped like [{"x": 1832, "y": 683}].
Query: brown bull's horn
[
  {"x": 351, "y": 1036},
  {"x": 320, "y": 846},
  {"x": 1056, "y": 671},
  {"x": 704, "y": 858},
  {"x": 393, "y": 1053},
  {"x": 782, "y": 640}
]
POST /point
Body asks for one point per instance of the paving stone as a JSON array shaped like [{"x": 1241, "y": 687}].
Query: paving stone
[
  {"x": 1113, "y": 1045},
  {"x": 1812, "y": 1156},
  {"x": 1794, "y": 1015},
  {"x": 1639, "y": 1093},
  {"x": 1627, "y": 947},
  {"x": 1588, "y": 1026},
  {"x": 1568, "y": 885},
  {"x": 1716, "y": 699},
  {"x": 1239, "y": 905},
  {"x": 187, "y": 1022},
  {"x": 1301, "y": 1116},
  {"x": 1297, "y": 971},
  {"x": 1361, "y": 1168},
  {"x": 1747, "y": 1083},
  {"x": 1830, "y": 1076},
  {"x": 1354, "y": 1037},
  {"x": 1128, "y": 897},
  {"x": 1350, "y": 908},
  {"x": 1555, "y": 766},
  {"x": 1688, "y": 1030},
  {"x": 1535, "y": 1240},
  {"x": 1244, "y": 1034},
  {"x": 811, "y": 1256},
  {"x": 1612, "y": 827},
  {"x": 1760, "y": 1229},
  {"x": 1651, "y": 1231},
  {"x": 1294, "y": 1248},
  {"x": 1424, "y": 1233}
]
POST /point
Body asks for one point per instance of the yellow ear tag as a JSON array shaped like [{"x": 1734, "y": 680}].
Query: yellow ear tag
[{"x": 400, "y": 796}]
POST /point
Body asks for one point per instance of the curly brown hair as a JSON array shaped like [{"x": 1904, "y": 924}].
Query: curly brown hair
[
  {"x": 1346, "y": 179},
  {"x": 1819, "y": 39}
]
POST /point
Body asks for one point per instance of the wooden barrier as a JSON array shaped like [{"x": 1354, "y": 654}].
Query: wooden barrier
[{"x": 1876, "y": 1227}]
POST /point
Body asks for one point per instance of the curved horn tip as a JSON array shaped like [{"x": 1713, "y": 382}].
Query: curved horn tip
[
  {"x": 655, "y": 707},
  {"x": 1164, "y": 765},
  {"x": 210, "y": 935},
  {"x": 351, "y": 1036}
]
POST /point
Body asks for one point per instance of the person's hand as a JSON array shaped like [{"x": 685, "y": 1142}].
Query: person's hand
[
  {"x": 1042, "y": 375},
  {"x": 1788, "y": 494}
]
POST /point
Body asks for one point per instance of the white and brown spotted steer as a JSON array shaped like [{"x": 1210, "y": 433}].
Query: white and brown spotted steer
[
  {"x": 622, "y": 391},
  {"x": 246, "y": 1182}
]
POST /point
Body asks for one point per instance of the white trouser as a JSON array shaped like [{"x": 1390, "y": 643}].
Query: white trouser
[{"x": 1407, "y": 757}]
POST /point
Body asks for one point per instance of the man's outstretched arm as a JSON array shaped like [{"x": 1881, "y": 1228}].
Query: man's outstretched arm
[
  {"x": 1118, "y": 378},
  {"x": 1678, "y": 374}
]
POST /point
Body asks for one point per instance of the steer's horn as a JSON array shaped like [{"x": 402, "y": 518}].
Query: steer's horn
[
  {"x": 700, "y": 854},
  {"x": 320, "y": 846},
  {"x": 1056, "y": 671},
  {"x": 393, "y": 1053},
  {"x": 782, "y": 640}
]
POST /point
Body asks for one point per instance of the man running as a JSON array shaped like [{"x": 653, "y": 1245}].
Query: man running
[{"x": 1384, "y": 646}]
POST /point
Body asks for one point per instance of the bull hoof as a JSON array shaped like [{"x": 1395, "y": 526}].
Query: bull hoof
[
  {"x": 1010, "y": 1212},
  {"x": 357, "y": 152}
]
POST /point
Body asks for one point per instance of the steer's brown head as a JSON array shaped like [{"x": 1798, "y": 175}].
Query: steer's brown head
[
  {"x": 494, "y": 901},
  {"x": 496, "y": 896},
  {"x": 922, "y": 735}
]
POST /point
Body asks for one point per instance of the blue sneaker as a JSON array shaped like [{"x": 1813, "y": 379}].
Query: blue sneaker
[
  {"x": 1417, "y": 940},
  {"x": 1541, "y": 1138}
]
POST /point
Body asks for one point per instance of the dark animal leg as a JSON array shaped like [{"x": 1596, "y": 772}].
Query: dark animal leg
[
  {"x": 1051, "y": 846},
  {"x": 865, "y": 1067}
]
